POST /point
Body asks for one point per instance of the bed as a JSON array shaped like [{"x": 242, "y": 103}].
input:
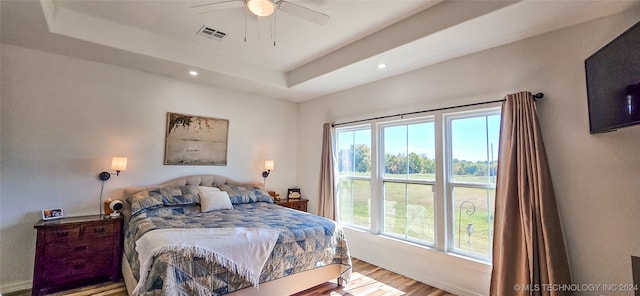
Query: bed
[{"x": 165, "y": 253}]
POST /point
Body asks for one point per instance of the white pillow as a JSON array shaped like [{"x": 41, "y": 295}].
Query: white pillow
[
  {"x": 208, "y": 188},
  {"x": 214, "y": 200}
]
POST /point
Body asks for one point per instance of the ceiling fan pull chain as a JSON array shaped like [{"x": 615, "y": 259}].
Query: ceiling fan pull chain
[
  {"x": 274, "y": 27},
  {"x": 245, "y": 27},
  {"x": 271, "y": 20}
]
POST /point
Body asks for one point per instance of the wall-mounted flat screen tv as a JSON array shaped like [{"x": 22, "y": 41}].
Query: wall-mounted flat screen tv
[{"x": 613, "y": 83}]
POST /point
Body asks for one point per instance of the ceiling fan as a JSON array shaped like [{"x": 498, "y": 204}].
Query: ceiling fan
[{"x": 267, "y": 8}]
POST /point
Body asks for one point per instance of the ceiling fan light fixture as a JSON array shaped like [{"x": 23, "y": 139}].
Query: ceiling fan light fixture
[{"x": 261, "y": 7}]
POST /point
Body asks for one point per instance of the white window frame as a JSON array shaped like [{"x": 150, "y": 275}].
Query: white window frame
[
  {"x": 354, "y": 177},
  {"x": 443, "y": 185},
  {"x": 381, "y": 179},
  {"x": 450, "y": 183}
]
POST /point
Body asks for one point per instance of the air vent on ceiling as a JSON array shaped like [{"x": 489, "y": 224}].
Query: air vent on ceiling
[{"x": 211, "y": 33}]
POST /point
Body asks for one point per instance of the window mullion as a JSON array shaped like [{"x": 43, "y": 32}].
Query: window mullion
[
  {"x": 486, "y": 129},
  {"x": 406, "y": 210},
  {"x": 353, "y": 201},
  {"x": 353, "y": 162},
  {"x": 440, "y": 203},
  {"x": 377, "y": 188},
  {"x": 406, "y": 144}
]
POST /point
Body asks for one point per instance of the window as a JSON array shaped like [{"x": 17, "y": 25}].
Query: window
[
  {"x": 471, "y": 184},
  {"x": 408, "y": 180},
  {"x": 388, "y": 173},
  {"x": 354, "y": 176}
]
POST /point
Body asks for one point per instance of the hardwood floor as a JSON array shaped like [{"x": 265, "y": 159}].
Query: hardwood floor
[
  {"x": 366, "y": 280},
  {"x": 106, "y": 289},
  {"x": 370, "y": 280}
]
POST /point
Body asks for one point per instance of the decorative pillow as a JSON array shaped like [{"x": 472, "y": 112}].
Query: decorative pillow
[
  {"x": 180, "y": 195},
  {"x": 214, "y": 200},
  {"x": 246, "y": 194},
  {"x": 208, "y": 188},
  {"x": 262, "y": 194},
  {"x": 153, "y": 198},
  {"x": 146, "y": 199}
]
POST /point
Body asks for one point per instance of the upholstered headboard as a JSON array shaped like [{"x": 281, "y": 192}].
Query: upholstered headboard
[{"x": 197, "y": 180}]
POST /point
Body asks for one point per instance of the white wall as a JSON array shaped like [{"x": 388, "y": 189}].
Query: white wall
[
  {"x": 64, "y": 118},
  {"x": 596, "y": 177}
]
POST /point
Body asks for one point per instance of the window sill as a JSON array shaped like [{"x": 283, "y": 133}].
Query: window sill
[{"x": 398, "y": 245}]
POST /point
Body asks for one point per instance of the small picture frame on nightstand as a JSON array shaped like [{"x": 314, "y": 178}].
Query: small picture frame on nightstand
[
  {"x": 50, "y": 214},
  {"x": 293, "y": 193}
]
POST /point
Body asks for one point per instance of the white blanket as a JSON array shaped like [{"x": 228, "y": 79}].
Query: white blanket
[{"x": 241, "y": 250}]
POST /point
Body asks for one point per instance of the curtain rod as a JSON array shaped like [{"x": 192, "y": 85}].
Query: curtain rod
[{"x": 537, "y": 96}]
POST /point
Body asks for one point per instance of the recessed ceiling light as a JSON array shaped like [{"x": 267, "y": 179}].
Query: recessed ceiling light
[
  {"x": 382, "y": 66},
  {"x": 193, "y": 73}
]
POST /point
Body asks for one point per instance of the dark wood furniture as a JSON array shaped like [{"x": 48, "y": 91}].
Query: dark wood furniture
[
  {"x": 76, "y": 251},
  {"x": 299, "y": 204}
]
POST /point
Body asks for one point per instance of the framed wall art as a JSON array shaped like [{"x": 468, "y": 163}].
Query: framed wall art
[{"x": 195, "y": 140}]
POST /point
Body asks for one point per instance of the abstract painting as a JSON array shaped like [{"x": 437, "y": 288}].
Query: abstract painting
[{"x": 195, "y": 140}]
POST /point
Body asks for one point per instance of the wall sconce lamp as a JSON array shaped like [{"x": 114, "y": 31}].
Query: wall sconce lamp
[
  {"x": 118, "y": 164},
  {"x": 268, "y": 166}
]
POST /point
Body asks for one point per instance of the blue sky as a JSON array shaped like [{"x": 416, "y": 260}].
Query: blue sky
[
  {"x": 422, "y": 139},
  {"x": 471, "y": 141}
]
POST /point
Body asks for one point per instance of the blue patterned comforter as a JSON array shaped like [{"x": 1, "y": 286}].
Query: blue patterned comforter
[{"x": 305, "y": 242}]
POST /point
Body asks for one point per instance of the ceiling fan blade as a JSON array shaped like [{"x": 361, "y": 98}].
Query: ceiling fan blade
[
  {"x": 303, "y": 12},
  {"x": 221, "y": 5}
]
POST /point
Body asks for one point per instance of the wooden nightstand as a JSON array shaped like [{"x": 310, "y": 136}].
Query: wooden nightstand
[
  {"x": 296, "y": 204},
  {"x": 76, "y": 251}
]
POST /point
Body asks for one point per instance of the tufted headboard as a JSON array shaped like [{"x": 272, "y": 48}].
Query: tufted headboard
[{"x": 197, "y": 180}]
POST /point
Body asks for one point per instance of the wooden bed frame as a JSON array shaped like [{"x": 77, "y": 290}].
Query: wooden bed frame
[{"x": 283, "y": 286}]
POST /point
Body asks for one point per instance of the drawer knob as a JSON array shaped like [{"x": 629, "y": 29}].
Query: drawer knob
[
  {"x": 99, "y": 230},
  {"x": 63, "y": 234},
  {"x": 78, "y": 266},
  {"x": 81, "y": 248}
]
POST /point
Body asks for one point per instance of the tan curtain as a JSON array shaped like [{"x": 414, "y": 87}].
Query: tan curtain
[
  {"x": 326, "y": 198},
  {"x": 528, "y": 246}
]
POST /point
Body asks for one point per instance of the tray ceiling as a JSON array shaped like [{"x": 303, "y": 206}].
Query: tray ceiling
[{"x": 308, "y": 60}]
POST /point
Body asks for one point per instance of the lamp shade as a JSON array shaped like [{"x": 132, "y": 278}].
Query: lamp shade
[
  {"x": 119, "y": 163},
  {"x": 268, "y": 164},
  {"x": 261, "y": 7}
]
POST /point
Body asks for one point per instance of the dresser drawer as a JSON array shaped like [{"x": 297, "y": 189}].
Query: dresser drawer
[
  {"x": 78, "y": 249},
  {"x": 91, "y": 231},
  {"x": 88, "y": 231},
  {"x": 64, "y": 271},
  {"x": 296, "y": 204},
  {"x": 62, "y": 234},
  {"x": 299, "y": 206}
]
